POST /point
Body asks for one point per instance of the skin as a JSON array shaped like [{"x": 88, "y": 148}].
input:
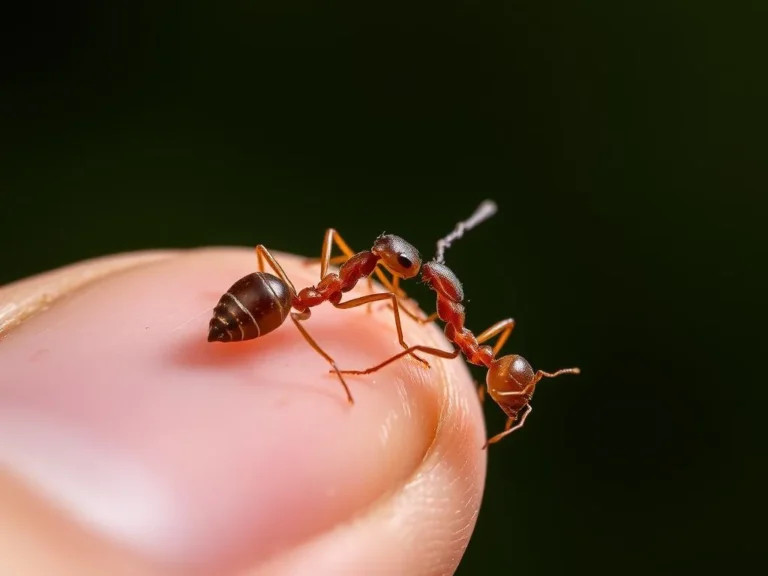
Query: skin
[{"x": 130, "y": 445}]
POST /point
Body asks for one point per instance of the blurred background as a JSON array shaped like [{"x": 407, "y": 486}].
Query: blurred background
[{"x": 624, "y": 143}]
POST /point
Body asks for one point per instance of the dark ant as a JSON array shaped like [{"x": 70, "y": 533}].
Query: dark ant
[
  {"x": 260, "y": 302},
  {"x": 510, "y": 380}
]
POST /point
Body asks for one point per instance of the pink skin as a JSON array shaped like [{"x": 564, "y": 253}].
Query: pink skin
[{"x": 233, "y": 458}]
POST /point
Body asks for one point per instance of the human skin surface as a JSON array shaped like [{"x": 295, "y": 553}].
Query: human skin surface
[{"x": 131, "y": 445}]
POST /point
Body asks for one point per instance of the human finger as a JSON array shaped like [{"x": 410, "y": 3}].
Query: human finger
[{"x": 239, "y": 457}]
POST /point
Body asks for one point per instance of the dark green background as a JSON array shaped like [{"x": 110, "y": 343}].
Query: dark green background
[{"x": 623, "y": 141}]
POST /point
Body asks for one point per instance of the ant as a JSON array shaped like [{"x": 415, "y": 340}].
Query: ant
[
  {"x": 260, "y": 302},
  {"x": 510, "y": 379}
]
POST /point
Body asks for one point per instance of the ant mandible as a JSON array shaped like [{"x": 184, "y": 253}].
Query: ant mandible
[
  {"x": 510, "y": 379},
  {"x": 260, "y": 302}
]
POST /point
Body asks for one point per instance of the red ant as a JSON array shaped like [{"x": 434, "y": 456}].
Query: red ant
[
  {"x": 510, "y": 380},
  {"x": 260, "y": 302}
]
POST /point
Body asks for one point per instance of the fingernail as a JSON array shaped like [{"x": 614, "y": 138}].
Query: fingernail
[
  {"x": 115, "y": 407},
  {"x": 21, "y": 300}
]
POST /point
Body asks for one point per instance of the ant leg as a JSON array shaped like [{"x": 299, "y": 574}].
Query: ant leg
[
  {"x": 412, "y": 315},
  {"x": 524, "y": 392},
  {"x": 389, "y": 285},
  {"x": 426, "y": 320},
  {"x": 541, "y": 374},
  {"x": 263, "y": 254},
  {"x": 394, "y": 287},
  {"x": 296, "y": 320},
  {"x": 340, "y": 259},
  {"x": 426, "y": 349},
  {"x": 508, "y": 428},
  {"x": 362, "y": 300},
  {"x": 332, "y": 237},
  {"x": 418, "y": 319},
  {"x": 503, "y": 326},
  {"x": 538, "y": 376},
  {"x": 480, "y": 392},
  {"x": 371, "y": 289}
]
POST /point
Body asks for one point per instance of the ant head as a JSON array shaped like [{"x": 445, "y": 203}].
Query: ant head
[
  {"x": 397, "y": 255},
  {"x": 442, "y": 280},
  {"x": 510, "y": 373}
]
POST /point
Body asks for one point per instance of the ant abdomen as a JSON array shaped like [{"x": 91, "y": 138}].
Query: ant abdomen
[
  {"x": 255, "y": 305},
  {"x": 510, "y": 381}
]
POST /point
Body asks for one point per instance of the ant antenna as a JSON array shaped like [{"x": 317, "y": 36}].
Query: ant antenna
[{"x": 486, "y": 209}]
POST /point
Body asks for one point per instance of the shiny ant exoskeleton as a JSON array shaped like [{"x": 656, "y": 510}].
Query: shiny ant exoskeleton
[
  {"x": 260, "y": 302},
  {"x": 510, "y": 379}
]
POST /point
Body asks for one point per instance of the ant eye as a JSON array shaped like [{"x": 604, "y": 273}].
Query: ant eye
[{"x": 403, "y": 261}]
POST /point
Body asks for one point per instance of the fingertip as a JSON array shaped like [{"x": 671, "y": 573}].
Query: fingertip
[
  {"x": 424, "y": 523},
  {"x": 222, "y": 438}
]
